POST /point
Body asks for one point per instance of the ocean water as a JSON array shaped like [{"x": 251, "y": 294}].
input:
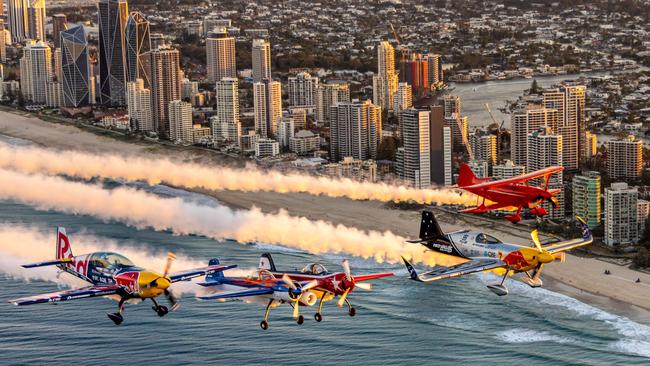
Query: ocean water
[
  {"x": 453, "y": 322},
  {"x": 447, "y": 323}
]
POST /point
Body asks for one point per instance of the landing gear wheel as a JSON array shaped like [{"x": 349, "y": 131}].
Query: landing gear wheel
[
  {"x": 264, "y": 325},
  {"x": 162, "y": 310},
  {"x": 352, "y": 312},
  {"x": 301, "y": 319},
  {"x": 318, "y": 317},
  {"x": 117, "y": 318}
]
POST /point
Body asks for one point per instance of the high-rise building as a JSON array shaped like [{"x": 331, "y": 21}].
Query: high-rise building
[
  {"x": 415, "y": 72},
  {"x": 267, "y": 105},
  {"x": 643, "y": 212},
  {"x": 355, "y": 130},
  {"x": 523, "y": 122},
  {"x": 545, "y": 150},
  {"x": 569, "y": 100},
  {"x": 285, "y": 131},
  {"x": 180, "y": 122},
  {"x": 302, "y": 90},
  {"x": 299, "y": 116},
  {"x": 75, "y": 67},
  {"x": 484, "y": 147},
  {"x": 507, "y": 170},
  {"x": 36, "y": 20},
  {"x": 226, "y": 124},
  {"x": 621, "y": 215},
  {"x": 35, "y": 71},
  {"x": 157, "y": 40},
  {"x": 385, "y": 82},
  {"x": 17, "y": 18},
  {"x": 452, "y": 105},
  {"x": 213, "y": 23},
  {"x": 261, "y": 54},
  {"x": 220, "y": 55},
  {"x": 403, "y": 99},
  {"x": 434, "y": 73},
  {"x": 53, "y": 94},
  {"x": 440, "y": 142},
  {"x": 3, "y": 42},
  {"x": 266, "y": 147},
  {"x": 57, "y": 63},
  {"x": 165, "y": 87},
  {"x": 189, "y": 89},
  {"x": 59, "y": 24},
  {"x": 416, "y": 164},
  {"x": 586, "y": 198},
  {"x": 111, "y": 19},
  {"x": 139, "y": 104},
  {"x": 592, "y": 145},
  {"x": 624, "y": 158},
  {"x": 137, "y": 43},
  {"x": 328, "y": 95},
  {"x": 459, "y": 127}
]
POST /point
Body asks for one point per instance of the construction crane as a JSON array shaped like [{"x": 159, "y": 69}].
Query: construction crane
[
  {"x": 499, "y": 128},
  {"x": 399, "y": 42}
]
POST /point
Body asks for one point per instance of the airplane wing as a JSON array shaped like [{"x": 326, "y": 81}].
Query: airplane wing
[
  {"x": 482, "y": 209},
  {"x": 440, "y": 273},
  {"x": 518, "y": 179},
  {"x": 587, "y": 238},
  {"x": 80, "y": 293},
  {"x": 371, "y": 276},
  {"x": 197, "y": 272},
  {"x": 256, "y": 291}
]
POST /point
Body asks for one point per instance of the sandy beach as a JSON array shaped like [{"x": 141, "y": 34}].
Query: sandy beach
[{"x": 579, "y": 277}]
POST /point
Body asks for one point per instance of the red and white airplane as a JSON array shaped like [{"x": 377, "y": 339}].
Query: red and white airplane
[{"x": 511, "y": 192}]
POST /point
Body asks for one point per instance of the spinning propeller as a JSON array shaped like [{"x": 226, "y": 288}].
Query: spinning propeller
[
  {"x": 296, "y": 290},
  {"x": 349, "y": 283},
  {"x": 167, "y": 282}
]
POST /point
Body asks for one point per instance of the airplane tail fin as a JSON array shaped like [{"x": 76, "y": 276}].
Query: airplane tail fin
[
  {"x": 214, "y": 278},
  {"x": 412, "y": 272},
  {"x": 63, "y": 247},
  {"x": 266, "y": 262},
  {"x": 466, "y": 176},
  {"x": 429, "y": 228}
]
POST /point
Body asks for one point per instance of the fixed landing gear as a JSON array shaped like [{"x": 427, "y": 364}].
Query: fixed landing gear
[
  {"x": 500, "y": 289},
  {"x": 265, "y": 324},
  {"x": 300, "y": 320},
  {"x": 117, "y": 318},
  {"x": 535, "y": 279},
  {"x": 161, "y": 310},
  {"x": 351, "y": 311},
  {"x": 318, "y": 316}
]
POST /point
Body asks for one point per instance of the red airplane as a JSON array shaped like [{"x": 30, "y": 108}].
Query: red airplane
[
  {"x": 329, "y": 284},
  {"x": 510, "y": 192}
]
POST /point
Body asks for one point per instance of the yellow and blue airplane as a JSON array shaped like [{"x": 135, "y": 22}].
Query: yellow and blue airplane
[
  {"x": 484, "y": 252},
  {"x": 111, "y": 274}
]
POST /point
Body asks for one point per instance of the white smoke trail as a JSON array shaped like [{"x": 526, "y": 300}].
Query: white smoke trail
[
  {"x": 143, "y": 210},
  {"x": 187, "y": 175},
  {"x": 21, "y": 244}
]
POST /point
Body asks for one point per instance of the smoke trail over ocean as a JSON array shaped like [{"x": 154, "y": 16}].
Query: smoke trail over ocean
[
  {"x": 21, "y": 244},
  {"x": 142, "y": 210},
  {"x": 187, "y": 175}
]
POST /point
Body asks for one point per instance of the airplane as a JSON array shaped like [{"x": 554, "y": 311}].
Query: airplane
[
  {"x": 266, "y": 287},
  {"x": 329, "y": 285},
  {"x": 510, "y": 192},
  {"x": 113, "y": 275},
  {"x": 485, "y": 252}
]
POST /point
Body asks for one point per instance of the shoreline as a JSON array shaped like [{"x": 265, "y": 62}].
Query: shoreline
[{"x": 580, "y": 278}]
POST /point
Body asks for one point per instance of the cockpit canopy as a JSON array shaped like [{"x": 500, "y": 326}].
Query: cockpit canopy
[
  {"x": 263, "y": 275},
  {"x": 314, "y": 269},
  {"x": 110, "y": 260},
  {"x": 487, "y": 239}
]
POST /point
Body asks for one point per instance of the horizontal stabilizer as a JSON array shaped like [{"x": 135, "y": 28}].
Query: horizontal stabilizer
[{"x": 48, "y": 263}]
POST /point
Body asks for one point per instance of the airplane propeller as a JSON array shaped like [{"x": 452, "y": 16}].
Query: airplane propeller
[
  {"x": 350, "y": 283},
  {"x": 168, "y": 293},
  {"x": 296, "y": 290},
  {"x": 543, "y": 257}
]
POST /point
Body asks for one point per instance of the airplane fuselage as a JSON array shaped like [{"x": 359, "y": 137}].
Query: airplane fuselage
[
  {"x": 470, "y": 245},
  {"x": 97, "y": 270},
  {"x": 516, "y": 195}
]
